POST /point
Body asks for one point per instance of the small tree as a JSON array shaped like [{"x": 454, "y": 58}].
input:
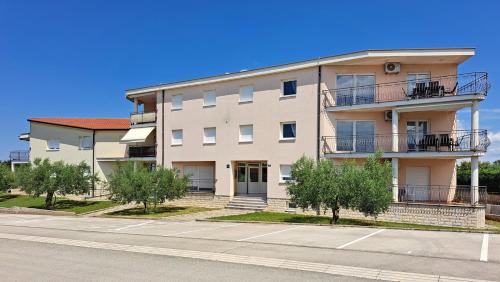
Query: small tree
[
  {"x": 303, "y": 188},
  {"x": 6, "y": 178},
  {"x": 131, "y": 183},
  {"x": 43, "y": 177}
]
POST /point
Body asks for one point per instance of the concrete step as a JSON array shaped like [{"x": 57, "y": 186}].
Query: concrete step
[
  {"x": 245, "y": 208},
  {"x": 250, "y": 202},
  {"x": 247, "y": 203}
]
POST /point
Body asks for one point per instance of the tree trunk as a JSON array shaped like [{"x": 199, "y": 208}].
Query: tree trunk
[
  {"x": 145, "y": 206},
  {"x": 335, "y": 215},
  {"x": 48, "y": 200}
]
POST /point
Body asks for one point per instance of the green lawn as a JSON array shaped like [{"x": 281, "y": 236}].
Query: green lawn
[
  {"x": 161, "y": 211},
  {"x": 310, "y": 219},
  {"x": 9, "y": 200}
]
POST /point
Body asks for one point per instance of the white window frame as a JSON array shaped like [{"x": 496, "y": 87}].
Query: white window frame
[
  {"x": 174, "y": 106},
  {"x": 175, "y": 141},
  {"x": 281, "y": 130},
  {"x": 282, "y": 176},
  {"x": 241, "y": 92},
  {"x": 416, "y": 74},
  {"x": 355, "y": 93},
  {"x": 206, "y": 94},
  {"x": 240, "y": 140},
  {"x": 82, "y": 143},
  {"x": 205, "y": 138},
  {"x": 354, "y": 131},
  {"x": 282, "y": 94},
  {"x": 53, "y": 148}
]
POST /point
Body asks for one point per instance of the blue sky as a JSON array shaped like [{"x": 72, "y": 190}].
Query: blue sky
[{"x": 76, "y": 58}]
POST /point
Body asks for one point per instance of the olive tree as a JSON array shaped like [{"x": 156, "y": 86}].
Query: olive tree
[
  {"x": 6, "y": 178},
  {"x": 136, "y": 183}
]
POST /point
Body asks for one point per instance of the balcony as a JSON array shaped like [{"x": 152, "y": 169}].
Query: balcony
[
  {"x": 142, "y": 151},
  {"x": 475, "y": 84},
  {"x": 20, "y": 156},
  {"x": 441, "y": 194},
  {"x": 410, "y": 142},
  {"x": 142, "y": 118}
]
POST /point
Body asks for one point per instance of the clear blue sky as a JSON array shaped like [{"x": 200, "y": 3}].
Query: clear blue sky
[{"x": 76, "y": 58}]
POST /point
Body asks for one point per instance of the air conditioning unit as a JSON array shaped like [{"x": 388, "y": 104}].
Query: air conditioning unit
[
  {"x": 388, "y": 115},
  {"x": 392, "y": 68}
]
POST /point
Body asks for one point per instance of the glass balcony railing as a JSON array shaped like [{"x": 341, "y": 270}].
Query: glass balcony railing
[{"x": 140, "y": 118}]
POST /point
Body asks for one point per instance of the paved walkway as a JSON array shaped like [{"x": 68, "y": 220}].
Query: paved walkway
[{"x": 205, "y": 215}]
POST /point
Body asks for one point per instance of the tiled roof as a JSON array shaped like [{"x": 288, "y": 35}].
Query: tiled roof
[{"x": 88, "y": 123}]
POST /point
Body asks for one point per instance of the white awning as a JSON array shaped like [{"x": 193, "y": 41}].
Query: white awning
[{"x": 137, "y": 135}]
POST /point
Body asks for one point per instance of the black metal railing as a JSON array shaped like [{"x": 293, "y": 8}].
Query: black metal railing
[
  {"x": 19, "y": 156},
  {"x": 141, "y": 151},
  {"x": 201, "y": 184},
  {"x": 442, "y": 194},
  {"x": 445, "y": 141},
  {"x": 139, "y": 118},
  {"x": 443, "y": 86}
]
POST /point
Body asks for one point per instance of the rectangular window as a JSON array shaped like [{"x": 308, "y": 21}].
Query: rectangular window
[
  {"x": 290, "y": 88},
  {"x": 285, "y": 173},
  {"x": 246, "y": 94},
  {"x": 356, "y": 136},
  {"x": 177, "y": 137},
  {"x": 177, "y": 102},
  {"x": 264, "y": 173},
  {"x": 288, "y": 130},
  {"x": 355, "y": 89},
  {"x": 209, "y": 98},
  {"x": 246, "y": 133},
  {"x": 414, "y": 78},
  {"x": 53, "y": 144},
  {"x": 209, "y": 135},
  {"x": 85, "y": 142}
]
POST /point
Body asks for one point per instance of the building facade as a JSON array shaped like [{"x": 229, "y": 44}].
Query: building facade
[{"x": 238, "y": 133}]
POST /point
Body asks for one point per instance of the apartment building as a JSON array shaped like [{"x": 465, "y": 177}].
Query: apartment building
[{"x": 237, "y": 134}]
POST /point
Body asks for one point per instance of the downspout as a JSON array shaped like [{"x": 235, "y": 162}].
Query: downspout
[
  {"x": 318, "y": 118},
  {"x": 93, "y": 163},
  {"x": 163, "y": 128}
]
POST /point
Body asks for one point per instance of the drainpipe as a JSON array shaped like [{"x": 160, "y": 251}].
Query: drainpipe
[
  {"x": 318, "y": 118},
  {"x": 162, "y": 128},
  {"x": 93, "y": 163}
]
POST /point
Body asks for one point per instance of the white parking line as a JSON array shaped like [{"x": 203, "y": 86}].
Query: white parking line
[
  {"x": 484, "y": 248},
  {"x": 270, "y": 233},
  {"x": 359, "y": 239},
  {"x": 202, "y": 229},
  {"x": 133, "y": 225}
]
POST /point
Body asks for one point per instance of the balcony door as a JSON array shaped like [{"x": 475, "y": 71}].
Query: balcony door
[
  {"x": 355, "y": 136},
  {"x": 417, "y": 184},
  {"x": 415, "y": 132},
  {"x": 355, "y": 89}
]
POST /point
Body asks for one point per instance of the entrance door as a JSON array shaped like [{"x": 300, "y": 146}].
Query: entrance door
[
  {"x": 251, "y": 178},
  {"x": 417, "y": 183},
  {"x": 241, "y": 186}
]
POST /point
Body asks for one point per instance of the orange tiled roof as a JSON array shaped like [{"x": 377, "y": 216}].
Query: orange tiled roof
[{"x": 88, "y": 123}]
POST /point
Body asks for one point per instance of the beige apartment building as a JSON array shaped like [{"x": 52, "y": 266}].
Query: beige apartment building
[{"x": 237, "y": 134}]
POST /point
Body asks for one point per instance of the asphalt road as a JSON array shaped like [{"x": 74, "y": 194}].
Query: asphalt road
[{"x": 79, "y": 248}]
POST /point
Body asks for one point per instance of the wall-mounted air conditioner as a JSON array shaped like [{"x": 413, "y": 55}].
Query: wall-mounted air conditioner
[{"x": 392, "y": 68}]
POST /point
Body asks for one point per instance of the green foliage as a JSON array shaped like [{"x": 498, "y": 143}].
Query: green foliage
[
  {"x": 136, "y": 183},
  {"x": 44, "y": 177},
  {"x": 6, "y": 178},
  {"x": 489, "y": 175},
  {"x": 324, "y": 186}
]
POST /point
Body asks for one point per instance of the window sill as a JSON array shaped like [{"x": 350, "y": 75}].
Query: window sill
[
  {"x": 282, "y": 97},
  {"x": 52, "y": 150},
  {"x": 209, "y": 143},
  {"x": 245, "y": 102},
  {"x": 85, "y": 149},
  {"x": 176, "y": 109},
  {"x": 176, "y": 145},
  {"x": 245, "y": 142},
  {"x": 209, "y": 106},
  {"x": 287, "y": 140}
]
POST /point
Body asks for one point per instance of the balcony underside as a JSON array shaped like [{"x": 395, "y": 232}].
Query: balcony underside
[{"x": 407, "y": 155}]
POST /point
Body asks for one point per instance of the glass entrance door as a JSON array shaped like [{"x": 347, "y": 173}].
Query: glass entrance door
[{"x": 251, "y": 178}]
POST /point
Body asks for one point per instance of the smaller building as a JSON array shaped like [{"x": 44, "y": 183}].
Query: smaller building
[{"x": 95, "y": 141}]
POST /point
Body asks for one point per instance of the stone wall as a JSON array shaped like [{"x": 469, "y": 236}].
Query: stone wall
[
  {"x": 427, "y": 214},
  {"x": 207, "y": 200}
]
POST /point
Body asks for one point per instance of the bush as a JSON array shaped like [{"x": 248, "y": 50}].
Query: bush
[
  {"x": 489, "y": 175},
  {"x": 6, "y": 178}
]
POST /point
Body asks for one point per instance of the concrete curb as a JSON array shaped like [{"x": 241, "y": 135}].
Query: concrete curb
[{"x": 20, "y": 210}]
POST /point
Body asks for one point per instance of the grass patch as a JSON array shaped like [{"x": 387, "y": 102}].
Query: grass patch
[
  {"x": 161, "y": 211},
  {"x": 311, "y": 219},
  {"x": 9, "y": 201},
  {"x": 493, "y": 224}
]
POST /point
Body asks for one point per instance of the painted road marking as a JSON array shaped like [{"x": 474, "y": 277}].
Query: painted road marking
[
  {"x": 359, "y": 239},
  {"x": 132, "y": 225},
  {"x": 484, "y": 248},
  {"x": 270, "y": 233},
  {"x": 202, "y": 229},
  {"x": 351, "y": 271}
]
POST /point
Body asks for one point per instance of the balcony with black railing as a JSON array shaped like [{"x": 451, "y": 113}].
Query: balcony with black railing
[
  {"x": 20, "y": 156},
  {"x": 409, "y": 90},
  {"x": 142, "y": 151},
  {"x": 409, "y": 142},
  {"x": 442, "y": 194}
]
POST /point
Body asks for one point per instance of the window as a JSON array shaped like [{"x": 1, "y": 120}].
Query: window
[
  {"x": 355, "y": 89},
  {"x": 85, "y": 142},
  {"x": 416, "y": 132},
  {"x": 246, "y": 133},
  {"x": 414, "y": 78},
  {"x": 290, "y": 88},
  {"x": 177, "y": 137},
  {"x": 264, "y": 172},
  {"x": 356, "y": 136},
  {"x": 288, "y": 130},
  {"x": 53, "y": 144},
  {"x": 285, "y": 173},
  {"x": 177, "y": 102},
  {"x": 209, "y": 135},
  {"x": 246, "y": 94},
  {"x": 209, "y": 98}
]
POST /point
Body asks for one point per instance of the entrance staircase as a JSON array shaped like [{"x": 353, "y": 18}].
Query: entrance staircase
[{"x": 248, "y": 202}]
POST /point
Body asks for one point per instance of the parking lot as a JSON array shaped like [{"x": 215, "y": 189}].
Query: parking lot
[{"x": 452, "y": 245}]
